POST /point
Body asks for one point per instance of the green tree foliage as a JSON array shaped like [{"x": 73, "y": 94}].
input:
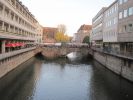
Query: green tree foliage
[{"x": 86, "y": 40}]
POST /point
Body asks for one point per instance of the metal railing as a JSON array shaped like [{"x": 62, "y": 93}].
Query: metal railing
[
  {"x": 10, "y": 35},
  {"x": 128, "y": 55},
  {"x": 16, "y": 52}
]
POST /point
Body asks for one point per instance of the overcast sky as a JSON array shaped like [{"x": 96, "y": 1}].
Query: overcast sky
[{"x": 72, "y": 13}]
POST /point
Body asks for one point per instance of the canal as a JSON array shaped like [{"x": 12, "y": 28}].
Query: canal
[{"x": 73, "y": 78}]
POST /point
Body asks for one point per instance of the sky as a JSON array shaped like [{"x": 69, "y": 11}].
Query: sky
[{"x": 72, "y": 13}]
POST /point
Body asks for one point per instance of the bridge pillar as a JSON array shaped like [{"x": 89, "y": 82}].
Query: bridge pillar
[{"x": 3, "y": 46}]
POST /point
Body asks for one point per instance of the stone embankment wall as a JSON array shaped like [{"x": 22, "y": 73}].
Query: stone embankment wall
[
  {"x": 121, "y": 66},
  {"x": 11, "y": 63}
]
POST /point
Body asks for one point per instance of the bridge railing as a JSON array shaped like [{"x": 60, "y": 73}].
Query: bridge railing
[
  {"x": 65, "y": 45},
  {"x": 13, "y": 53}
]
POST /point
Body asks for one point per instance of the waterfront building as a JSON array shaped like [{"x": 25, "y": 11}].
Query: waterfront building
[
  {"x": 39, "y": 31},
  {"x": 17, "y": 25},
  {"x": 117, "y": 30},
  {"x": 49, "y": 34},
  {"x": 125, "y": 28},
  {"x": 118, "y": 26},
  {"x": 110, "y": 27},
  {"x": 97, "y": 27},
  {"x": 82, "y": 32},
  {"x": 74, "y": 38}
]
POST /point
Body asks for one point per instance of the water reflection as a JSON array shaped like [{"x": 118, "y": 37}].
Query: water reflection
[{"x": 72, "y": 78}]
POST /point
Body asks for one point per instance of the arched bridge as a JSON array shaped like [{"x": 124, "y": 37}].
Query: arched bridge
[{"x": 52, "y": 51}]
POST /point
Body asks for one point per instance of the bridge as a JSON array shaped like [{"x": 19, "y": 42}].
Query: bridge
[
  {"x": 53, "y": 51},
  {"x": 11, "y": 57}
]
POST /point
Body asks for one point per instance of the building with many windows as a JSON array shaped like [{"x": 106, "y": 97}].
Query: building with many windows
[
  {"x": 49, "y": 34},
  {"x": 97, "y": 27},
  {"x": 82, "y": 32},
  {"x": 125, "y": 27},
  {"x": 110, "y": 23},
  {"x": 110, "y": 27},
  {"x": 116, "y": 27},
  {"x": 17, "y": 26},
  {"x": 39, "y": 31}
]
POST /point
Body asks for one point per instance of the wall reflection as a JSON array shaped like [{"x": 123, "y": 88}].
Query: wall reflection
[{"x": 72, "y": 78}]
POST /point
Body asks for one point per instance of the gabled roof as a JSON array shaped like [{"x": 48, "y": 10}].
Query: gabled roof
[{"x": 85, "y": 27}]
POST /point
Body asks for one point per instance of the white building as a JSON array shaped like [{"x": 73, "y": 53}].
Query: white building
[
  {"x": 82, "y": 32},
  {"x": 39, "y": 36},
  {"x": 17, "y": 24},
  {"x": 113, "y": 27},
  {"x": 97, "y": 27},
  {"x": 110, "y": 25}
]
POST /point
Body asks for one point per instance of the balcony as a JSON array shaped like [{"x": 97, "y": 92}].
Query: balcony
[
  {"x": 10, "y": 35},
  {"x": 13, "y": 53},
  {"x": 13, "y": 22}
]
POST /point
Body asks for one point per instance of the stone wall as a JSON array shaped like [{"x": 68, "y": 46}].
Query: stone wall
[
  {"x": 54, "y": 52},
  {"x": 8, "y": 64},
  {"x": 120, "y": 66},
  {"x": 127, "y": 69}
]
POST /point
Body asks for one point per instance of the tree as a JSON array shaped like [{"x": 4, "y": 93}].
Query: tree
[
  {"x": 61, "y": 35},
  {"x": 86, "y": 40},
  {"x": 62, "y": 28}
]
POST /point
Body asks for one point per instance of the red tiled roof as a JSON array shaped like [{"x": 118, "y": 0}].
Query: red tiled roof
[
  {"x": 49, "y": 29},
  {"x": 85, "y": 27}
]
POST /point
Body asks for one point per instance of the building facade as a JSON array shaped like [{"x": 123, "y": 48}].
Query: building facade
[
  {"x": 39, "y": 31},
  {"x": 82, "y": 32},
  {"x": 125, "y": 29},
  {"x": 110, "y": 27},
  {"x": 49, "y": 34},
  {"x": 17, "y": 25},
  {"x": 117, "y": 31},
  {"x": 97, "y": 27},
  {"x": 110, "y": 24}
]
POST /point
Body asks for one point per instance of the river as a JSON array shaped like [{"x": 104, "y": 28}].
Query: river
[{"x": 72, "y": 78}]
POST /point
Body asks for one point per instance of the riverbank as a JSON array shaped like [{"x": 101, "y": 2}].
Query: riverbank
[
  {"x": 76, "y": 78},
  {"x": 121, "y": 66}
]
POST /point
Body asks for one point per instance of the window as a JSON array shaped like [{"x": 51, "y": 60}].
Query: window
[
  {"x": 112, "y": 9},
  {"x": 130, "y": 28},
  {"x": 120, "y": 15},
  {"x": 98, "y": 18},
  {"x": 106, "y": 14},
  {"x": 130, "y": 11},
  {"x": 120, "y": 2},
  {"x": 115, "y": 20},
  {"x": 125, "y": 13},
  {"x": 125, "y": 28},
  {"x": 125, "y": 0},
  {"x": 115, "y": 7}
]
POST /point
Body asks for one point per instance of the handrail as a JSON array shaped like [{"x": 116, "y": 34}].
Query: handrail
[
  {"x": 10, "y": 35},
  {"x": 127, "y": 55},
  {"x": 13, "y": 53}
]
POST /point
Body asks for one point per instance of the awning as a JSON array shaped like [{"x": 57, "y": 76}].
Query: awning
[
  {"x": 14, "y": 44},
  {"x": 21, "y": 44},
  {"x": 10, "y": 45}
]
